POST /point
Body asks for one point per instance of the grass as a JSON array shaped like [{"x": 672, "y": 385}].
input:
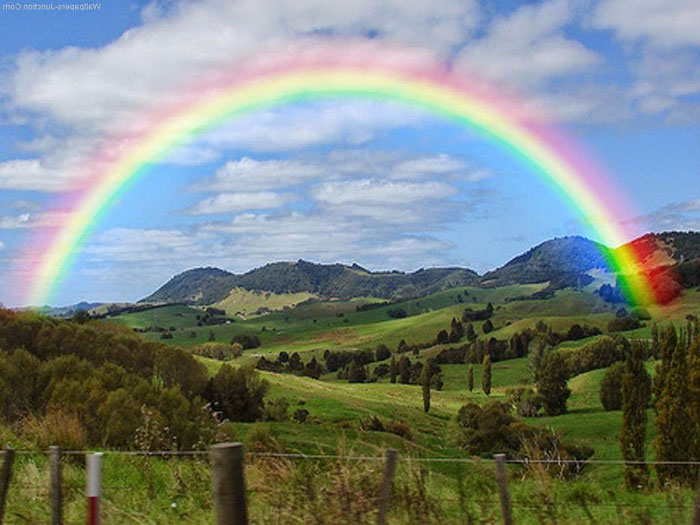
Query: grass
[{"x": 336, "y": 407}]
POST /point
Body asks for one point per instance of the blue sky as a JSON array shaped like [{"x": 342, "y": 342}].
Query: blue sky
[{"x": 380, "y": 184}]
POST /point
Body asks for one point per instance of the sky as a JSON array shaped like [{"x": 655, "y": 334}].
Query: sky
[{"x": 382, "y": 184}]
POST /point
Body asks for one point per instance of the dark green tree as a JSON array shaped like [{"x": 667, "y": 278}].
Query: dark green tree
[
  {"x": 636, "y": 391},
  {"x": 486, "y": 374},
  {"x": 393, "y": 369},
  {"x": 551, "y": 378},
  {"x": 405, "y": 370},
  {"x": 470, "y": 333},
  {"x": 425, "y": 378},
  {"x": 611, "y": 387},
  {"x": 674, "y": 440},
  {"x": 487, "y": 327},
  {"x": 470, "y": 378},
  {"x": 239, "y": 393}
]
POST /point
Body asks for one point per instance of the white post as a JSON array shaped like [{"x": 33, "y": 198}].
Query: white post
[{"x": 93, "y": 487}]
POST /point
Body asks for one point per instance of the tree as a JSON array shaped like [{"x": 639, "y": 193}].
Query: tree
[
  {"x": 611, "y": 387},
  {"x": 487, "y": 327},
  {"x": 456, "y": 331},
  {"x": 674, "y": 440},
  {"x": 486, "y": 374},
  {"x": 239, "y": 393},
  {"x": 425, "y": 384},
  {"x": 551, "y": 378},
  {"x": 471, "y": 334},
  {"x": 405, "y": 370},
  {"x": 442, "y": 337},
  {"x": 470, "y": 378},
  {"x": 212, "y": 336},
  {"x": 382, "y": 353},
  {"x": 636, "y": 391},
  {"x": 393, "y": 369}
]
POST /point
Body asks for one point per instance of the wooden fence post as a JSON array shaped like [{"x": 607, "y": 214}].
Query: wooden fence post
[
  {"x": 228, "y": 483},
  {"x": 502, "y": 480},
  {"x": 696, "y": 511},
  {"x": 5, "y": 476},
  {"x": 93, "y": 487},
  {"x": 385, "y": 491},
  {"x": 56, "y": 486}
]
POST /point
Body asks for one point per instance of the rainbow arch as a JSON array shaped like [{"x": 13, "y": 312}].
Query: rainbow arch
[{"x": 331, "y": 74}]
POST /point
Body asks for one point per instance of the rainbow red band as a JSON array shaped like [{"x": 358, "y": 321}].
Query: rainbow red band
[{"x": 335, "y": 73}]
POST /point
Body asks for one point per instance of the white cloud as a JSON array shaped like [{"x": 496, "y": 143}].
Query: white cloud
[
  {"x": 33, "y": 174},
  {"x": 234, "y": 202},
  {"x": 250, "y": 174},
  {"x": 2, "y": 245},
  {"x": 663, "y": 24},
  {"x": 528, "y": 48},
  {"x": 369, "y": 193},
  {"x": 31, "y": 220}
]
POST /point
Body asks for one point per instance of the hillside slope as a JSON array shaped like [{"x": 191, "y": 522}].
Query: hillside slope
[
  {"x": 556, "y": 259},
  {"x": 205, "y": 286}
]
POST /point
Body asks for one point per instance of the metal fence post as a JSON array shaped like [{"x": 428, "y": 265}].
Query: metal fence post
[{"x": 93, "y": 487}]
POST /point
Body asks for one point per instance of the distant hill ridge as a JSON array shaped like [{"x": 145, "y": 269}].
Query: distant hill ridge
[
  {"x": 563, "y": 261},
  {"x": 203, "y": 286}
]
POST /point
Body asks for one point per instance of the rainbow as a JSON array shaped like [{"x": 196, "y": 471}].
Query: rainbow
[{"x": 341, "y": 74}]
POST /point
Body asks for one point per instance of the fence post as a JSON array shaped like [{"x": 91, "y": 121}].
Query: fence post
[
  {"x": 5, "y": 476},
  {"x": 93, "y": 487},
  {"x": 228, "y": 483},
  {"x": 385, "y": 490},
  {"x": 696, "y": 511},
  {"x": 502, "y": 480},
  {"x": 56, "y": 486}
]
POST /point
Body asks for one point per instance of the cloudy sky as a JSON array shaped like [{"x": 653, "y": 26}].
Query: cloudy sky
[{"x": 382, "y": 184}]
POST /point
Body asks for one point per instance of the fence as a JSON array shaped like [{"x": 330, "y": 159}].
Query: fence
[{"x": 228, "y": 482}]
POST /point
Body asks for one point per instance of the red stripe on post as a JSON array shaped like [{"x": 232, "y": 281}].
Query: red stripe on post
[{"x": 93, "y": 510}]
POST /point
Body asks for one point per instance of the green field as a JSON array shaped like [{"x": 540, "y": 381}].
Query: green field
[{"x": 336, "y": 409}]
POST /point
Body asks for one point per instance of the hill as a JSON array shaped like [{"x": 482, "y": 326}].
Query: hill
[
  {"x": 666, "y": 248},
  {"x": 197, "y": 286},
  {"x": 562, "y": 260},
  {"x": 211, "y": 285}
]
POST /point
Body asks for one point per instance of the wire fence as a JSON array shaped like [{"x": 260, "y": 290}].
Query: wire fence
[{"x": 527, "y": 498}]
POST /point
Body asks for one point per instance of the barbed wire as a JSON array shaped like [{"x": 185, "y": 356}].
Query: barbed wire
[{"x": 417, "y": 459}]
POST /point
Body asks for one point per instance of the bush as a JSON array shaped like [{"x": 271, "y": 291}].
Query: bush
[
  {"x": 621, "y": 324},
  {"x": 397, "y": 313},
  {"x": 526, "y": 401},
  {"x": 238, "y": 393},
  {"x": 276, "y": 410},
  {"x": 611, "y": 387},
  {"x": 487, "y": 327},
  {"x": 220, "y": 351},
  {"x": 261, "y": 439},
  {"x": 247, "y": 341},
  {"x": 57, "y": 427}
]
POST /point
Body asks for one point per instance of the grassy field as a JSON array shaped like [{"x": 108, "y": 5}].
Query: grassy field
[{"x": 154, "y": 490}]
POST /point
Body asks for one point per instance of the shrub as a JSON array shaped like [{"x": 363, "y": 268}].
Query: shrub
[
  {"x": 276, "y": 410},
  {"x": 261, "y": 439},
  {"x": 397, "y": 313},
  {"x": 621, "y": 324},
  {"x": 238, "y": 393},
  {"x": 611, "y": 387},
  {"x": 401, "y": 429},
  {"x": 220, "y": 351},
  {"x": 526, "y": 401},
  {"x": 300, "y": 415},
  {"x": 57, "y": 427},
  {"x": 247, "y": 341},
  {"x": 487, "y": 327}
]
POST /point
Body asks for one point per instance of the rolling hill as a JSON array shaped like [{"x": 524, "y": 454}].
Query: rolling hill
[{"x": 204, "y": 286}]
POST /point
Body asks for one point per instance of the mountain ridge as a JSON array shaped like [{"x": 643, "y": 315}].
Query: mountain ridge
[{"x": 564, "y": 261}]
